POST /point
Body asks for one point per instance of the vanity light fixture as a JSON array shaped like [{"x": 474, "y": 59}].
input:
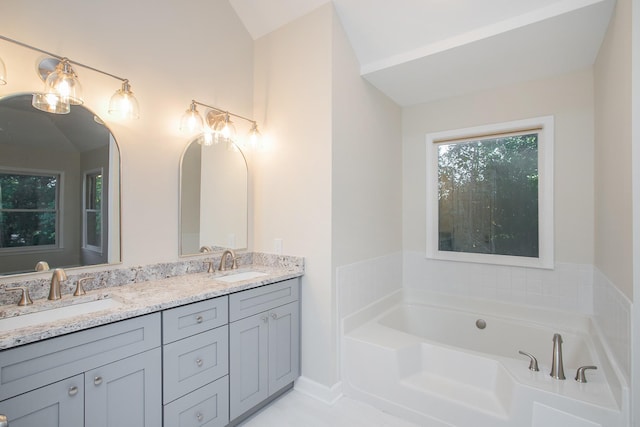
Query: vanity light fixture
[
  {"x": 62, "y": 87},
  {"x": 219, "y": 126}
]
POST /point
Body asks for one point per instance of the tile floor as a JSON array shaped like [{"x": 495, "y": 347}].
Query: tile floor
[{"x": 295, "y": 409}]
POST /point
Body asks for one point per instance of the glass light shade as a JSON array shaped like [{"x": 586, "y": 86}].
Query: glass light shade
[
  {"x": 254, "y": 137},
  {"x": 225, "y": 130},
  {"x": 123, "y": 104},
  {"x": 50, "y": 103},
  {"x": 191, "y": 120},
  {"x": 64, "y": 83},
  {"x": 207, "y": 137},
  {"x": 3, "y": 73}
]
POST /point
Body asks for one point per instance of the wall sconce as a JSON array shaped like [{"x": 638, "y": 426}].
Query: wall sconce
[
  {"x": 63, "y": 89},
  {"x": 219, "y": 126}
]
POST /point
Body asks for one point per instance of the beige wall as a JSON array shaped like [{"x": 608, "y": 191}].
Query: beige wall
[
  {"x": 367, "y": 162},
  {"x": 613, "y": 202},
  {"x": 292, "y": 181},
  {"x": 171, "y": 52},
  {"x": 569, "y": 98}
]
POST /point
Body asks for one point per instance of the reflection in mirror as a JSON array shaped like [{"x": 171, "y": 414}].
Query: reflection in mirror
[
  {"x": 59, "y": 188},
  {"x": 213, "y": 198}
]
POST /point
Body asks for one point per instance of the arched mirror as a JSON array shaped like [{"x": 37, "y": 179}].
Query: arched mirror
[
  {"x": 59, "y": 188},
  {"x": 213, "y": 198}
]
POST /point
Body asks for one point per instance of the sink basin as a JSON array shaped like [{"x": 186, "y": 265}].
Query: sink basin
[
  {"x": 54, "y": 314},
  {"x": 238, "y": 277}
]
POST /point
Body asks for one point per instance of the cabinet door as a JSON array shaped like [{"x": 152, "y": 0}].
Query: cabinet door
[
  {"x": 248, "y": 363},
  {"x": 284, "y": 346},
  {"x": 60, "y": 404},
  {"x": 126, "y": 393}
]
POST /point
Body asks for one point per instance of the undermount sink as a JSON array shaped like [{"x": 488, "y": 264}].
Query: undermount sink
[
  {"x": 238, "y": 277},
  {"x": 54, "y": 314}
]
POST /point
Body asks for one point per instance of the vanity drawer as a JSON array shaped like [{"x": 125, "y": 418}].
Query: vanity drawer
[
  {"x": 253, "y": 301},
  {"x": 187, "y": 320},
  {"x": 205, "y": 407},
  {"x": 194, "y": 361},
  {"x": 35, "y": 365}
]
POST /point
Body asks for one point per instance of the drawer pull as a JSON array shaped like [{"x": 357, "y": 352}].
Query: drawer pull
[
  {"x": 199, "y": 416},
  {"x": 97, "y": 380},
  {"x": 265, "y": 319},
  {"x": 199, "y": 362},
  {"x": 73, "y": 390},
  {"x": 199, "y": 319}
]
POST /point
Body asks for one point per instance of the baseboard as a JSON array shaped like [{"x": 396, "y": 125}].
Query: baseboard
[{"x": 328, "y": 395}]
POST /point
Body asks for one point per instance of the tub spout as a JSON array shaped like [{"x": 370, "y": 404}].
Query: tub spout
[{"x": 557, "y": 370}]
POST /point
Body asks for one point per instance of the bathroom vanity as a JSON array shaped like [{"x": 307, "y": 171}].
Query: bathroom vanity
[{"x": 192, "y": 350}]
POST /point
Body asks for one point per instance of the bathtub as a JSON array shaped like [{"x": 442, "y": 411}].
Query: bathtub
[{"x": 424, "y": 357}]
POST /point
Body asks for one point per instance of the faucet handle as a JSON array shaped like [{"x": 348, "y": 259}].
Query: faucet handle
[
  {"x": 25, "y": 299},
  {"x": 580, "y": 376},
  {"x": 533, "y": 363},
  {"x": 79, "y": 288},
  {"x": 210, "y": 267}
]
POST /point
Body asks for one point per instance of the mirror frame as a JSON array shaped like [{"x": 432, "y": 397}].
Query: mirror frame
[{"x": 99, "y": 120}]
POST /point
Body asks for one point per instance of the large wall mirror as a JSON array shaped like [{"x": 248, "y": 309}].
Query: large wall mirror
[
  {"x": 59, "y": 188},
  {"x": 213, "y": 198}
]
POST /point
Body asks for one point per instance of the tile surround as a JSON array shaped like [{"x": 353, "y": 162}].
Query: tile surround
[
  {"x": 612, "y": 313},
  {"x": 567, "y": 287}
]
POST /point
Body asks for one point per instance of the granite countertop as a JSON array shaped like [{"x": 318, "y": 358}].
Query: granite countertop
[{"x": 135, "y": 300}]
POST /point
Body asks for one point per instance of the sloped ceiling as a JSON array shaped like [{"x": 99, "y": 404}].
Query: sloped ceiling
[{"x": 416, "y": 51}]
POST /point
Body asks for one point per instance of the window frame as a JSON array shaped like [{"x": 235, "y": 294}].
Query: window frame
[
  {"x": 58, "y": 245},
  {"x": 86, "y": 210},
  {"x": 544, "y": 127}
]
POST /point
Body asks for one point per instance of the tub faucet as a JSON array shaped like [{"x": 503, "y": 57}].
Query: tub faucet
[
  {"x": 58, "y": 276},
  {"x": 229, "y": 252},
  {"x": 557, "y": 370}
]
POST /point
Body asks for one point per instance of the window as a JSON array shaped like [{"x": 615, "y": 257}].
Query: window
[
  {"x": 29, "y": 210},
  {"x": 490, "y": 194},
  {"x": 93, "y": 210}
]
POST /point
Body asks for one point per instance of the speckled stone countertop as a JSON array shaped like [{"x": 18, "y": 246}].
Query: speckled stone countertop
[{"x": 139, "y": 298}]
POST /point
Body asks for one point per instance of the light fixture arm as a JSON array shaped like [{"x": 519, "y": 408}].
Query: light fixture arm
[
  {"x": 221, "y": 111},
  {"x": 60, "y": 58}
]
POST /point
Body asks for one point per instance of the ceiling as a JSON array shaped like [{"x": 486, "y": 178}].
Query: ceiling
[{"x": 417, "y": 51}]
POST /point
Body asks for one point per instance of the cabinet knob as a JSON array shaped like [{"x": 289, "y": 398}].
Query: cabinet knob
[
  {"x": 199, "y": 416},
  {"x": 3, "y": 421},
  {"x": 199, "y": 319},
  {"x": 265, "y": 319},
  {"x": 97, "y": 380},
  {"x": 199, "y": 362},
  {"x": 274, "y": 316},
  {"x": 73, "y": 390}
]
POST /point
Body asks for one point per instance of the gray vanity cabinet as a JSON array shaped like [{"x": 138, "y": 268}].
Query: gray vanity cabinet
[
  {"x": 60, "y": 404},
  {"x": 264, "y": 343},
  {"x": 105, "y": 376},
  {"x": 124, "y": 393},
  {"x": 196, "y": 364}
]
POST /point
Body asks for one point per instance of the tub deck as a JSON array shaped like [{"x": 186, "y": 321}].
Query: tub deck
[{"x": 437, "y": 383}]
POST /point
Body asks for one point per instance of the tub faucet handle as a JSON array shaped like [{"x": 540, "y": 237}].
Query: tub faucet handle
[
  {"x": 533, "y": 363},
  {"x": 580, "y": 376}
]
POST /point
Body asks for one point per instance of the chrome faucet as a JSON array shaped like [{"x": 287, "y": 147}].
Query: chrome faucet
[
  {"x": 234, "y": 265},
  {"x": 557, "y": 370},
  {"x": 58, "y": 276}
]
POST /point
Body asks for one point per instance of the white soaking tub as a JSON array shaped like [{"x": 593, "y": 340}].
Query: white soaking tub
[{"x": 424, "y": 358}]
